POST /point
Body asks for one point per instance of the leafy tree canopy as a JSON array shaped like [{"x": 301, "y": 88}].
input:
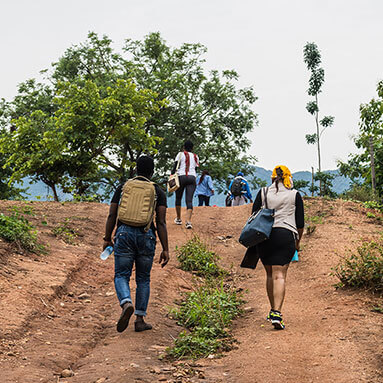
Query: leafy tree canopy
[
  {"x": 108, "y": 108},
  {"x": 357, "y": 167}
]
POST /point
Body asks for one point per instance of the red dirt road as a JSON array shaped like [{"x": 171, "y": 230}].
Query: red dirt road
[{"x": 59, "y": 310}]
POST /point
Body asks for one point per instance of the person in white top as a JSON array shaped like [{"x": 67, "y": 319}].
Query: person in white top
[{"x": 185, "y": 166}]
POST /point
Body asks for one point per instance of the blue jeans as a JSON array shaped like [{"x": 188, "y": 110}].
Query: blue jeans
[{"x": 133, "y": 245}]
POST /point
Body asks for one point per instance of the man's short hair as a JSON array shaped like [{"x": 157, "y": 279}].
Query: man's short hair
[
  {"x": 188, "y": 145},
  {"x": 145, "y": 166}
]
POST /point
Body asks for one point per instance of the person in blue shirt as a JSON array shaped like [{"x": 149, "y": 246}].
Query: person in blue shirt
[
  {"x": 205, "y": 188},
  {"x": 239, "y": 190}
]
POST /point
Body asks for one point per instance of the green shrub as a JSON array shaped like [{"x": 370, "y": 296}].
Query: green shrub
[
  {"x": 373, "y": 205},
  {"x": 195, "y": 256},
  {"x": 363, "y": 269},
  {"x": 17, "y": 229},
  {"x": 66, "y": 232},
  {"x": 360, "y": 193},
  {"x": 206, "y": 313}
]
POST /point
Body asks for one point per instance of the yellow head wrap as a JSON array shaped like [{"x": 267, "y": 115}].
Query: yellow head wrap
[{"x": 286, "y": 175}]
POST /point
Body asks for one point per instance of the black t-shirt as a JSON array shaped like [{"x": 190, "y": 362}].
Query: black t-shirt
[
  {"x": 160, "y": 194},
  {"x": 299, "y": 210}
]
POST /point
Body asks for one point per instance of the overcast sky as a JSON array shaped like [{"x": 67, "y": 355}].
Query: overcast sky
[{"x": 262, "y": 40}]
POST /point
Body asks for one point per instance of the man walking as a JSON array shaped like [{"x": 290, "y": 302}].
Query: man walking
[
  {"x": 240, "y": 190},
  {"x": 133, "y": 207}
]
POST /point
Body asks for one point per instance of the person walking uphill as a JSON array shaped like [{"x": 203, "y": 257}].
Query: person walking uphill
[
  {"x": 185, "y": 165},
  {"x": 205, "y": 188},
  {"x": 277, "y": 252},
  {"x": 240, "y": 190},
  {"x": 133, "y": 207}
]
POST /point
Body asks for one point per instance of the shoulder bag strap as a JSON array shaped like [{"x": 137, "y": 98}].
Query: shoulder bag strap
[{"x": 265, "y": 190}]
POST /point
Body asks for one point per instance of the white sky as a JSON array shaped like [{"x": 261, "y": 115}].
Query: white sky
[{"x": 262, "y": 40}]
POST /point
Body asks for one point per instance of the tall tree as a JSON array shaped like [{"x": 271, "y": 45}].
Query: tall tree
[
  {"x": 206, "y": 107},
  {"x": 86, "y": 134},
  {"x": 312, "y": 59},
  {"x": 369, "y": 142}
]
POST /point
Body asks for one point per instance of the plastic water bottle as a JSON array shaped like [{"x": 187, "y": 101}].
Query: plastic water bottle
[{"x": 105, "y": 254}]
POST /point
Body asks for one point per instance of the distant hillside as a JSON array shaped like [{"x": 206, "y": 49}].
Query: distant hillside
[
  {"x": 40, "y": 191},
  {"x": 340, "y": 183}
]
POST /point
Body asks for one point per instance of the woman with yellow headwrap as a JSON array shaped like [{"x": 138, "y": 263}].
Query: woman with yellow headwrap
[{"x": 277, "y": 252}]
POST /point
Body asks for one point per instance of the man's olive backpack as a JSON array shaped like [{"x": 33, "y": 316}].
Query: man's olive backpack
[{"x": 138, "y": 203}]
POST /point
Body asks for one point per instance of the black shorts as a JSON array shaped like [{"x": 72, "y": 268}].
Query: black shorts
[{"x": 279, "y": 249}]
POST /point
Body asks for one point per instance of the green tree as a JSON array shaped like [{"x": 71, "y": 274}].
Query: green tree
[
  {"x": 207, "y": 108},
  {"x": 300, "y": 185},
  {"x": 85, "y": 136},
  {"x": 104, "y": 128},
  {"x": 369, "y": 141},
  {"x": 325, "y": 180},
  {"x": 312, "y": 59}
]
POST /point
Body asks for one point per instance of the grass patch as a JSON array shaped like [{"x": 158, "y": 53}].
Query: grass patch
[
  {"x": 16, "y": 228},
  {"x": 208, "y": 311},
  {"x": 195, "y": 256},
  {"x": 66, "y": 232},
  {"x": 363, "y": 269}
]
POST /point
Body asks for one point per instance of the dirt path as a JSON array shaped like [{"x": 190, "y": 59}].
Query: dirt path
[{"x": 59, "y": 310}]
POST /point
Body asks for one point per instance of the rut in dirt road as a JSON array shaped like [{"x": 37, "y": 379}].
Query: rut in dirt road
[{"x": 59, "y": 310}]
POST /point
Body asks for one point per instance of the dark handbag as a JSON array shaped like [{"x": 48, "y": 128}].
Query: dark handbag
[
  {"x": 251, "y": 258},
  {"x": 258, "y": 227}
]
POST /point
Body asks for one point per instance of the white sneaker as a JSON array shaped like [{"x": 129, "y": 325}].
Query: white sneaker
[
  {"x": 178, "y": 221},
  {"x": 188, "y": 225}
]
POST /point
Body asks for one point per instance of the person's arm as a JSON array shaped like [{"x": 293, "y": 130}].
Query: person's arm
[
  {"x": 299, "y": 218},
  {"x": 248, "y": 192},
  {"x": 110, "y": 224},
  {"x": 231, "y": 183},
  {"x": 210, "y": 184},
  {"x": 162, "y": 234},
  {"x": 257, "y": 203}
]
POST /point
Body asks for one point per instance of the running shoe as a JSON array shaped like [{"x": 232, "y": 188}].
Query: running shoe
[
  {"x": 276, "y": 320},
  {"x": 178, "y": 221},
  {"x": 188, "y": 225}
]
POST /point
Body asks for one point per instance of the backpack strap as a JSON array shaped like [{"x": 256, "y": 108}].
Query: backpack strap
[{"x": 265, "y": 191}]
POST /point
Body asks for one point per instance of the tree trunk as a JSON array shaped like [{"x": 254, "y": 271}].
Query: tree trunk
[
  {"x": 312, "y": 181},
  {"x": 372, "y": 161},
  {"x": 318, "y": 143},
  {"x": 55, "y": 196}
]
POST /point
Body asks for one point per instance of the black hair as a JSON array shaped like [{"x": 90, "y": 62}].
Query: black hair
[
  {"x": 204, "y": 173},
  {"x": 279, "y": 172},
  {"x": 188, "y": 146},
  {"x": 145, "y": 166}
]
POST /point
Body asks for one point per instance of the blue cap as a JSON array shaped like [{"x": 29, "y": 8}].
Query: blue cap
[{"x": 240, "y": 174}]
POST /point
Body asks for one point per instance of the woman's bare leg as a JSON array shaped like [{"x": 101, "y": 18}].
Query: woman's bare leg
[
  {"x": 269, "y": 285},
  {"x": 279, "y": 285},
  {"x": 189, "y": 213},
  {"x": 178, "y": 211}
]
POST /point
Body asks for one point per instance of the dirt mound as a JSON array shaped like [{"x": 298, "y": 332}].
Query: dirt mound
[{"x": 59, "y": 310}]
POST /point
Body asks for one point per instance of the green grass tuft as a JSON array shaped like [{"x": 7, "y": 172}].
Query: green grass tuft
[
  {"x": 363, "y": 269},
  {"x": 195, "y": 256},
  {"x": 17, "y": 229},
  {"x": 206, "y": 313}
]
